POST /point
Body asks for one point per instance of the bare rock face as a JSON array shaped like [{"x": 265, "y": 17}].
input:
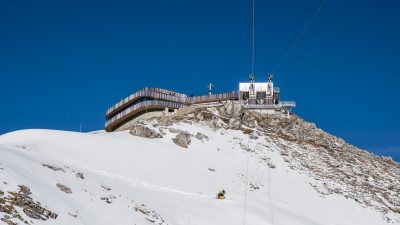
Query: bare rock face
[
  {"x": 182, "y": 139},
  {"x": 143, "y": 131},
  {"x": 80, "y": 175},
  {"x": 22, "y": 199},
  {"x": 54, "y": 168},
  {"x": 64, "y": 188},
  {"x": 201, "y": 136},
  {"x": 249, "y": 120},
  {"x": 232, "y": 110},
  {"x": 174, "y": 130}
]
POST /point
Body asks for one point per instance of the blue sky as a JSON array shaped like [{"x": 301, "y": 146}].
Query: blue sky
[{"x": 63, "y": 63}]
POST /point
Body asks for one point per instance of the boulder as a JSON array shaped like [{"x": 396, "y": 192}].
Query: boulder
[
  {"x": 80, "y": 175},
  {"x": 143, "y": 131},
  {"x": 231, "y": 110},
  {"x": 64, "y": 188},
  {"x": 201, "y": 136},
  {"x": 182, "y": 139}
]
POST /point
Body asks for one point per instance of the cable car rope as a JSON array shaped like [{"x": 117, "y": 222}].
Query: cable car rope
[
  {"x": 252, "y": 42},
  {"x": 301, "y": 36},
  {"x": 270, "y": 190},
  {"x": 245, "y": 188}
]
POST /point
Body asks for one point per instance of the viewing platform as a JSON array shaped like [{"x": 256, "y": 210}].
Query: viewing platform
[{"x": 263, "y": 97}]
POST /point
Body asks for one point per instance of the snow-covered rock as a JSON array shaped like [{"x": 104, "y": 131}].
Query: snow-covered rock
[
  {"x": 275, "y": 169},
  {"x": 182, "y": 139},
  {"x": 143, "y": 131}
]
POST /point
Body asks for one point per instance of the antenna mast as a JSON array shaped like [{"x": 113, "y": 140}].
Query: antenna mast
[{"x": 252, "y": 41}]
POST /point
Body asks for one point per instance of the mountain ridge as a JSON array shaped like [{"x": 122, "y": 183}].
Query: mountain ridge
[{"x": 153, "y": 179}]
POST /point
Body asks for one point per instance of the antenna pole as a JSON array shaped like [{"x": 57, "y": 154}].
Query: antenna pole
[{"x": 252, "y": 41}]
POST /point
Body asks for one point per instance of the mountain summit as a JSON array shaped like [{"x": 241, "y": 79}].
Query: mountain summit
[{"x": 168, "y": 169}]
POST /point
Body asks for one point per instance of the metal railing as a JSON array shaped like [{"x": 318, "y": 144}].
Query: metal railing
[
  {"x": 144, "y": 105},
  {"x": 162, "y": 98},
  {"x": 157, "y": 93},
  {"x": 213, "y": 98},
  {"x": 287, "y": 104}
]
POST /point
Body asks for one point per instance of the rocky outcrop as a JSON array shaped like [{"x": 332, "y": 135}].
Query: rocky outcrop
[
  {"x": 143, "y": 131},
  {"x": 182, "y": 139},
  {"x": 80, "y": 176},
  {"x": 174, "y": 130},
  {"x": 231, "y": 110},
  {"x": 64, "y": 188},
  {"x": 151, "y": 215},
  {"x": 54, "y": 168},
  {"x": 22, "y": 199},
  {"x": 201, "y": 137},
  {"x": 336, "y": 166}
]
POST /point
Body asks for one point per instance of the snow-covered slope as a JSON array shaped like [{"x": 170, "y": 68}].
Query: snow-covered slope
[{"x": 117, "y": 178}]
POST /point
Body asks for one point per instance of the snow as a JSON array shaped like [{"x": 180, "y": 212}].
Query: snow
[{"x": 176, "y": 185}]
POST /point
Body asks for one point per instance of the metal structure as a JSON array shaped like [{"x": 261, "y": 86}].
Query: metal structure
[{"x": 265, "y": 97}]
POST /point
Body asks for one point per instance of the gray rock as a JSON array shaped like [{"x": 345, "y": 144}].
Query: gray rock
[
  {"x": 143, "y": 131},
  {"x": 8, "y": 222},
  {"x": 270, "y": 165},
  {"x": 22, "y": 199},
  {"x": 182, "y": 139},
  {"x": 234, "y": 123},
  {"x": 161, "y": 131},
  {"x": 54, "y": 168},
  {"x": 201, "y": 136},
  {"x": 80, "y": 175},
  {"x": 232, "y": 110},
  {"x": 32, "y": 213},
  {"x": 64, "y": 188},
  {"x": 105, "y": 187},
  {"x": 174, "y": 130}
]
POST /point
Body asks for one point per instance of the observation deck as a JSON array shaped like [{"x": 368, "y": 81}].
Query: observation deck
[{"x": 157, "y": 99}]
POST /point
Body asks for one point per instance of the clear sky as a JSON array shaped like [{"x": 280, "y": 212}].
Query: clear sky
[{"x": 63, "y": 63}]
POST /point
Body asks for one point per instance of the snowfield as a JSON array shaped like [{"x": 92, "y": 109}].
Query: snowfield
[{"x": 126, "y": 179}]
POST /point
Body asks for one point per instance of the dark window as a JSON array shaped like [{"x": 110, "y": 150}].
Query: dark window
[
  {"x": 245, "y": 95},
  {"x": 261, "y": 95}
]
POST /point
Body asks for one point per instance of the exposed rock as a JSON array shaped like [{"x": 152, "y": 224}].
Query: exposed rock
[
  {"x": 143, "y": 131},
  {"x": 174, "y": 130},
  {"x": 73, "y": 215},
  {"x": 151, "y": 215},
  {"x": 8, "y": 222},
  {"x": 108, "y": 199},
  {"x": 182, "y": 139},
  {"x": 105, "y": 188},
  {"x": 233, "y": 123},
  {"x": 22, "y": 199},
  {"x": 370, "y": 180},
  {"x": 54, "y": 168},
  {"x": 231, "y": 110},
  {"x": 162, "y": 131},
  {"x": 201, "y": 136},
  {"x": 253, "y": 136},
  {"x": 249, "y": 120},
  {"x": 64, "y": 188},
  {"x": 270, "y": 165},
  {"x": 80, "y": 175}
]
